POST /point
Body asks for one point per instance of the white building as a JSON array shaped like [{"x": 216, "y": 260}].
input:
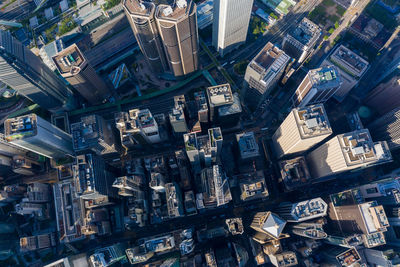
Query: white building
[{"x": 230, "y": 24}]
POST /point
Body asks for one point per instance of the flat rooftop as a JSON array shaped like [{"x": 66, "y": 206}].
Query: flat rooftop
[
  {"x": 325, "y": 77},
  {"x": 220, "y": 95},
  {"x": 309, "y": 209},
  {"x": 349, "y": 61},
  {"x": 20, "y": 127},
  {"x": 294, "y": 172},
  {"x": 190, "y": 140},
  {"x": 374, "y": 217},
  {"x": 69, "y": 60},
  {"x": 175, "y": 11},
  {"x": 86, "y": 132},
  {"x": 142, "y": 8},
  {"x": 312, "y": 121},
  {"x": 348, "y": 258},
  {"x": 307, "y": 32},
  {"x": 231, "y": 109},
  {"x": 145, "y": 118},
  {"x": 358, "y": 148},
  {"x": 247, "y": 144},
  {"x": 269, "y": 57},
  {"x": 252, "y": 186},
  {"x": 214, "y": 134}
]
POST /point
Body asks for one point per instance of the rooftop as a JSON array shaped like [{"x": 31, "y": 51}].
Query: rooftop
[
  {"x": 374, "y": 217},
  {"x": 190, "y": 140},
  {"x": 214, "y": 135},
  {"x": 160, "y": 244},
  {"x": 69, "y": 60},
  {"x": 307, "y": 32},
  {"x": 247, "y": 145},
  {"x": 294, "y": 172},
  {"x": 20, "y": 127},
  {"x": 287, "y": 258},
  {"x": 348, "y": 257},
  {"x": 358, "y": 148},
  {"x": 308, "y": 209},
  {"x": 86, "y": 132},
  {"x": 84, "y": 174},
  {"x": 325, "y": 77},
  {"x": 269, "y": 60},
  {"x": 349, "y": 61},
  {"x": 174, "y": 204},
  {"x": 144, "y": 118},
  {"x": 233, "y": 108},
  {"x": 174, "y": 12},
  {"x": 135, "y": 7},
  {"x": 220, "y": 95},
  {"x": 312, "y": 121},
  {"x": 252, "y": 186}
]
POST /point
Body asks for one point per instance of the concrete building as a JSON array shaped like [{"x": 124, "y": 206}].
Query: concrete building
[
  {"x": 68, "y": 211},
  {"x": 30, "y": 77},
  {"x": 284, "y": 259},
  {"x": 177, "y": 116},
  {"x": 309, "y": 230},
  {"x": 218, "y": 96},
  {"x": 294, "y": 173},
  {"x": 230, "y": 24},
  {"x": 303, "y": 211},
  {"x": 248, "y": 146},
  {"x": 252, "y": 186},
  {"x": 353, "y": 216},
  {"x": 92, "y": 179},
  {"x": 36, "y": 242},
  {"x": 263, "y": 73},
  {"x": 229, "y": 115},
  {"x": 382, "y": 257},
  {"x": 205, "y": 14},
  {"x": 202, "y": 107},
  {"x": 174, "y": 200},
  {"x": 346, "y": 152},
  {"x": 108, "y": 256},
  {"x": 35, "y": 134},
  {"x": 317, "y": 87},
  {"x": 302, "y": 129},
  {"x": 177, "y": 25},
  {"x": 27, "y": 166},
  {"x": 299, "y": 44},
  {"x": 38, "y": 193},
  {"x": 93, "y": 133},
  {"x": 350, "y": 66},
  {"x": 137, "y": 127},
  {"x": 74, "y": 67},
  {"x": 130, "y": 186},
  {"x": 387, "y": 128},
  {"x": 385, "y": 97},
  {"x": 141, "y": 16},
  {"x": 8, "y": 149},
  {"x": 215, "y": 188},
  {"x": 269, "y": 227}
]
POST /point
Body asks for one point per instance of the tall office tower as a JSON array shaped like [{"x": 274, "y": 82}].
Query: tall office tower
[
  {"x": 387, "y": 128},
  {"x": 230, "y": 24},
  {"x": 177, "y": 25},
  {"x": 31, "y": 243},
  {"x": 317, "y": 87},
  {"x": 340, "y": 256},
  {"x": 177, "y": 116},
  {"x": 294, "y": 173},
  {"x": 137, "y": 127},
  {"x": 38, "y": 193},
  {"x": 141, "y": 16},
  {"x": 9, "y": 149},
  {"x": 38, "y": 135},
  {"x": 303, "y": 211},
  {"x": 27, "y": 74},
  {"x": 302, "y": 129},
  {"x": 248, "y": 146},
  {"x": 353, "y": 216},
  {"x": 351, "y": 67},
  {"x": 27, "y": 166},
  {"x": 92, "y": 179},
  {"x": 385, "y": 97},
  {"x": 300, "y": 43},
  {"x": 263, "y": 73},
  {"x": 173, "y": 196},
  {"x": 346, "y": 152},
  {"x": 309, "y": 230},
  {"x": 93, "y": 133},
  {"x": 382, "y": 257},
  {"x": 130, "y": 186},
  {"x": 192, "y": 152},
  {"x": 74, "y": 67},
  {"x": 386, "y": 192},
  {"x": 269, "y": 226},
  {"x": 224, "y": 106},
  {"x": 202, "y": 107},
  {"x": 68, "y": 211},
  {"x": 283, "y": 259},
  {"x": 108, "y": 256}
]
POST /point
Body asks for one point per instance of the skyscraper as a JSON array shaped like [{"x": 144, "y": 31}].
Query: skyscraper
[
  {"x": 387, "y": 128},
  {"x": 230, "y": 24},
  {"x": 302, "y": 129},
  {"x": 346, "y": 152},
  {"x": 38, "y": 135},
  {"x": 317, "y": 87},
  {"x": 141, "y": 16},
  {"x": 269, "y": 227},
  {"x": 263, "y": 73},
  {"x": 177, "y": 25},
  {"x": 26, "y": 73},
  {"x": 304, "y": 210},
  {"x": 74, "y": 67},
  {"x": 177, "y": 116}
]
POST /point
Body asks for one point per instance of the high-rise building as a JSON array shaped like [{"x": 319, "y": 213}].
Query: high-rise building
[
  {"x": 202, "y": 107},
  {"x": 8, "y": 149},
  {"x": 346, "y": 152},
  {"x": 35, "y": 134},
  {"x": 74, "y": 67},
  {"x": 137, "y": 127},
  {"x": 248, "y": 146},
  {"x": 130, "y": 186},
  {"x": 269, "y": 227},
  {"x": 174, "y": 200},
  {"x": 91, "y": 178},
  {"x": 302, "y": 129},
  {"x": 385, "y": 97},
  {"x": 294, "y": 173},
  {"x": 141, "y": 16},
  {"x": 300, "y": 43},
  {"x": 384, "y": 257},
  {"x": 252, "y": 186},
  {"x": 309, "y": 230},
  {"x": 108, "y": 256},
  {"x": 263, "y": 73},
  {"x": 230, "y": 24},
  {"x": 303, "y": 211},
  {"x": 29, "y": 76},
  {"x": 387, "y": 128},
  {"x": 317, "y": 87},
  {"x": 351, "y": 67},
  {"x": 218, "y": 96},
  {"x": 284, "y": 259},
  {"x": 36, "y": 242},
  {"x": 177, "y": 116},
  {"x": 177, "y": 25},
  {"x": 93, "y": 133}
]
